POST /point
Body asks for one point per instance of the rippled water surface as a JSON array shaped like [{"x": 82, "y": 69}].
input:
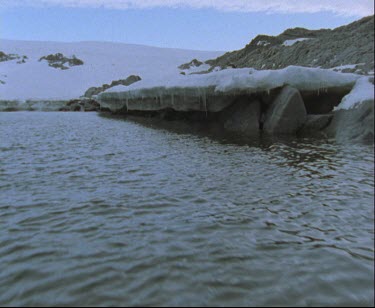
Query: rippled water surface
[{"x": 99, "y": 211}]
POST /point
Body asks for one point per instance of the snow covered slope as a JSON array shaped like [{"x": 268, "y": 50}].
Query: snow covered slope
[{"x": 103, "y": 62}]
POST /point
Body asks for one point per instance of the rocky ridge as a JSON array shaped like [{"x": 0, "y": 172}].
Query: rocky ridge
[{"x": 348, "y": 48}]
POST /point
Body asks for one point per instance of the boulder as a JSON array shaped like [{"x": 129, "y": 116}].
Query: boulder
[
  {"x": 83, "y": 104},
  {"x": 243, "y": 116},
  {"x": 91, "y": 105},
  {"x": 354, "y": 125},
  {"x": 286, "y": 114},
  {"x": 315, "y": 125}
]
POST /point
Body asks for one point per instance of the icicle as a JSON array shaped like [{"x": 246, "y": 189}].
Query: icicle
[{"x": 205, "y": 102}]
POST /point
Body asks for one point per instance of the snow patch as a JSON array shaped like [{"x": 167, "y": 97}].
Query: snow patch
[
  {"x": 363, "y": 90},
  {"x": 263, "y": 43},
  {"x": 347, "y": 66},
  {"x": 292, "y": 42}
]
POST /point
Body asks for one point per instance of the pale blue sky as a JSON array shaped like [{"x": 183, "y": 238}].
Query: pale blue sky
[{"x": 172, "y": 23}]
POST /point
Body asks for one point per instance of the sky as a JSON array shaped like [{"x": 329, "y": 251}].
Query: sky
[{"x": 221, "y": 25}]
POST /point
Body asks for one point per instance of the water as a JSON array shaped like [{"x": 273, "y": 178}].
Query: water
[{"x": 98, "y": 211}]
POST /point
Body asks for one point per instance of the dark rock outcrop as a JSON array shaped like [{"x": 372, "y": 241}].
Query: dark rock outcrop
[
  {"x": 125, "y": 82},
  {"x": 22, "y": 60},
  {"x": 8, "y": 57},
  {"x": 58, "y": 60},
  {"x": 81, "y": 105},
  {"x": 315, "y": 125},
  {"x": 243, "y": 116},
  {"x": 286, "y": 114},
  {"x": 192, "y": 63}
]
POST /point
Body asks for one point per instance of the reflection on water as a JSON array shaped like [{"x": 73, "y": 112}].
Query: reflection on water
[{"x": 98, "y": 211}]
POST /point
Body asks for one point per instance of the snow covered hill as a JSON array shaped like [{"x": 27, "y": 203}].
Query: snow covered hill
[{"x": 104, "y": 62}]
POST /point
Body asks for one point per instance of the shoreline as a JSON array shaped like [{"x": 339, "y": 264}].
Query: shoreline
[{"x": 295, "y": 101}]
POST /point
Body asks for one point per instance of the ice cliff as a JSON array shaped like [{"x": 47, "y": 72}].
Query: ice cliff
[
  {"x": 293, "y": 100},
  {"x": 231, "y": 82}
]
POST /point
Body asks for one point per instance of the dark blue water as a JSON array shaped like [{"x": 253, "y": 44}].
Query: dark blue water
[{"x": 98, "y": 211}]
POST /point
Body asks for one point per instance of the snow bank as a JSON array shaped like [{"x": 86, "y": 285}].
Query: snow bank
[
  {"x": 363, "y": 91},
  {"x": 234, "y": 80},
  {"x": 244, "y": 81},
  {"x": 346, "y": 66}
]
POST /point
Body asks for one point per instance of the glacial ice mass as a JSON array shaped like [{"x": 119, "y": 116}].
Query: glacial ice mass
[{"x": 249, "y": 80}]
